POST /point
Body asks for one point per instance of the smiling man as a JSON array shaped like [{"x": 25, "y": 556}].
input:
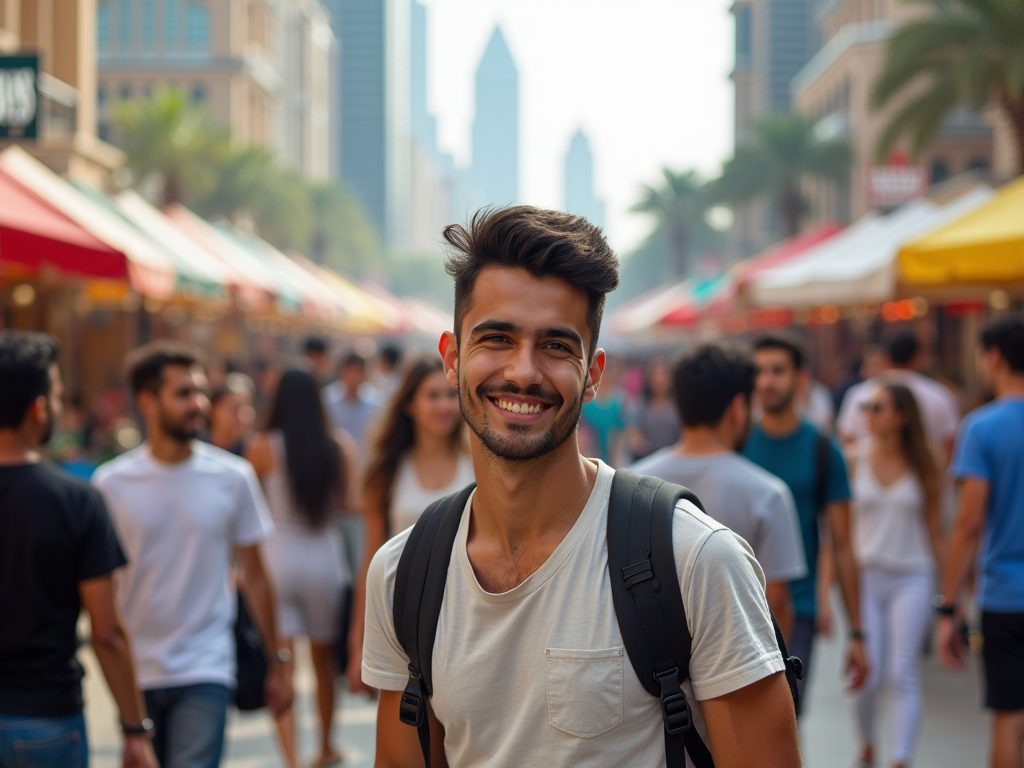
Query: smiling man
[{"x": 528, "y": 663}]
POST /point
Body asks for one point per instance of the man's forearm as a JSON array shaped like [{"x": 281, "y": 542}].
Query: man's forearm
[
  {"x": 846, "y": 573},
  {"x": 963, "y": 544},
  {"x": 115, "y": 657},
  {"x": 260, "y": 602}
]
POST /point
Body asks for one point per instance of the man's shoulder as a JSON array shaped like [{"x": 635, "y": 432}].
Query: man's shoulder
[
  {"x": 210, "y": 457},
  {"x": 127, "y": 463},
  {"x": 71, "y": 490},
  {"x": 985, "y": 416}
]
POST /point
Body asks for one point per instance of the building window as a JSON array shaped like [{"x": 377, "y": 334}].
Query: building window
[
  {"x": 197, "y": 27},
  {"x": 124, "y": 25},
  {"x": 103, "y": 26},
  {"x": 148, "y": 24},
  {"x": 198, "y": 95},
  {"x": 940, "y": 171},
  {"x": 172, "y": 24},
  {"x": 101, "y": 96},
  {"x": 126, "y": 92},
  {"x": 744, "y": 37}
]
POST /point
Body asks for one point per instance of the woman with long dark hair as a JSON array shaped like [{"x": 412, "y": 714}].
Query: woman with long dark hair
[
  {"x": 897, "y": 543},
  {"x": 419, "y": 454},
  {"x": 307, "y": 474}
]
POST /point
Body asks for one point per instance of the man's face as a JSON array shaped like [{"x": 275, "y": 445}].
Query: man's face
[
  {"x": 353, "y": 375},
  {"x": 777, "y": 379},
  {"x": 181, "y": 403},
  {"x": 522, "y": 369},
  {"x": 54, "y": 404}
]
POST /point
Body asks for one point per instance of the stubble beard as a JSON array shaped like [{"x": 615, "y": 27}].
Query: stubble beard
[
  {"x": 511, "y": 449},
  {"x": 177, "y": 431},
  {"x": 782, "y": 406}
]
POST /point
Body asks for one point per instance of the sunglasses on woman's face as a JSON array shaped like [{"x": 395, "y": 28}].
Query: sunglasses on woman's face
[{"x": 872, "y": 407}]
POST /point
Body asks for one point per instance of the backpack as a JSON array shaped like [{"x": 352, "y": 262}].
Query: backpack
[{"x": 650, "y": 611}]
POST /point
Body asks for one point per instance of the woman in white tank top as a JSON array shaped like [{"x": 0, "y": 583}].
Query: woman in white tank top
[
  {"x": 897, "y": 538},
  {"x": 418, "y": 455},
  {"x": 308, "y": 476}
]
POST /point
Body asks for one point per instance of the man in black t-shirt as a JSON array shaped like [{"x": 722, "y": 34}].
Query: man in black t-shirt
[{"x": 58, "y": 551}]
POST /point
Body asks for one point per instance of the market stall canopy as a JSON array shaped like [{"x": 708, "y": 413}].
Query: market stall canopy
[
  {"x": 240, "y": 260},
  {"x": 363, "y": 313},
  {"x": 983, "y": 246},
  {"x": 859, "y": 264},
  {"x": 650, "y": 309},
  {"x": 150, "y": 270},
  {"x": 35, "y": 235}
]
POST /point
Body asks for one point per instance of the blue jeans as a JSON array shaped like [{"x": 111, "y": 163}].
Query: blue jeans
[
  {"x": 190, "y": 721},
  {"x": 43, "y": 742}
]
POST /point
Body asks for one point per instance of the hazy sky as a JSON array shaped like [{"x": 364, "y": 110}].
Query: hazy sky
[{"x": 647, "y": 80}]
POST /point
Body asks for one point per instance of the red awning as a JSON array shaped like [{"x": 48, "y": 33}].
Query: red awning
[
  {"x": 34, "y": 234},
  {"x": 783, "y": 252}
]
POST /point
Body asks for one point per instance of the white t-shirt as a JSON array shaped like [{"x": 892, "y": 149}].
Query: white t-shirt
[
  {"x": 538, "y": 675},
  {"x": 409, "y": 498},
  {"x": 179, "y": 525},
  {"x": 746, "y": 499},
  {"x": 939, "y": 412}
]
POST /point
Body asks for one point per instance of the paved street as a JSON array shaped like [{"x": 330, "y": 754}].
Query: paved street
[{"x": 955, "y": 733}]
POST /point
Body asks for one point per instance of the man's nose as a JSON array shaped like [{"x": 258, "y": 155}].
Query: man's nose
[{"x": 522, "y": 368}]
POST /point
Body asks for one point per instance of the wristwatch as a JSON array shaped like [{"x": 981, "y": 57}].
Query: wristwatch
[
  {"x": 942, "y": 607},
  {"x": 145, "y": 728},
  {"x": 283, "y": 656}
]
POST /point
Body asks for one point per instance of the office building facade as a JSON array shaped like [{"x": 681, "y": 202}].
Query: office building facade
[
  {"x": 495, "y": 171},
  {"x": 580, "y": 197}
]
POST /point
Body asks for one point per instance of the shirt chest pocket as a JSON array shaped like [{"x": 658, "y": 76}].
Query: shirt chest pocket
[{"x": 584, "y": 690}]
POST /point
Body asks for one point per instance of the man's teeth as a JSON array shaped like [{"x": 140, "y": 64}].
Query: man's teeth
[{"x": 505, "y": 405}]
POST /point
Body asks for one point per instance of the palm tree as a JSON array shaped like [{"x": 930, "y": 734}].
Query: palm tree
[
  {"x": 784, "y": 152},
  {"x": 170, "y": 142},
  {"x": 967, "y": 53},
  {"x": 342, "y": 236},
  {"x": 679, "y": 205}
]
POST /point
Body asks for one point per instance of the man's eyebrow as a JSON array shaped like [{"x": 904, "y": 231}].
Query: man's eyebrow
[
  {"x": 496, "y": 326},
  {"x": 561, "y": 333}
]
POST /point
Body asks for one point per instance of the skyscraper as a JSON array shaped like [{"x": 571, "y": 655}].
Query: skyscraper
[
  {"x": 374, "y": 107},
  {"x": 496, "y": 127},
  {"x": 579, "y": 181}
]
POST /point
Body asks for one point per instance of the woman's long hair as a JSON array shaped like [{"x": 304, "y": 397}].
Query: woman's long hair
[
  {"x": 313, "y": 456},
  {"x": 913, "y": 440},
  {"x": 397, "y": 432}
]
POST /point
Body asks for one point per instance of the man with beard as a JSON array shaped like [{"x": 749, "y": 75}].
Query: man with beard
[
  {"x": 987, "y": 464},
  {"x": 812, "y": 465},
  {"x": 185, "y": 511},
  {"x": 713, "y": 386},
  {"x": 529, "y": 662},
  {"x": 58, "y": 552}
]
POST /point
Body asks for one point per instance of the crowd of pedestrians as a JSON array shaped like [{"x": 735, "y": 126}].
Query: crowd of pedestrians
[{"x": 503, "y": 628}]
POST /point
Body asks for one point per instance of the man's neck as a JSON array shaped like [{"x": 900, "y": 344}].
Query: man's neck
[
  {"x": 1010, "y": 386},
  {"x": 16, "y": 447},
  {"x": 780, "y": 423},
  {"x": 352, "y": 395},
  {"x": 520, "y": 502},
  {"x": 703, "y": 441},
  {"x": 168, "y": 450}
]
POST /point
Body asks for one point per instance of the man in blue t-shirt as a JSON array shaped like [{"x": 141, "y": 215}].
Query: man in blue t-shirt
[
  {"x": 813, "y": 467},
  {"x": 988, "y": 464}
]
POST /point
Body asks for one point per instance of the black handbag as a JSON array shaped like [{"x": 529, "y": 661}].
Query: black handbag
[{"x": 251, "y": 669}]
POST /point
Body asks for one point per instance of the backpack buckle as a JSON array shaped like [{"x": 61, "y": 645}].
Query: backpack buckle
[
  {"x": 638, "y": 572},
  {"x": 412, "y": 708},
  {"x": 795, "y": 665},
  {"x": 675, "y": 710}
]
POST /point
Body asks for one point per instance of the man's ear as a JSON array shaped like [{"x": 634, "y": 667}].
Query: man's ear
[
  {"x": 594, "y": 375},
  {"x": 38, "y": 412},
  {"x": 448, "y": 346},
  {"x": 145, "y": 401}
]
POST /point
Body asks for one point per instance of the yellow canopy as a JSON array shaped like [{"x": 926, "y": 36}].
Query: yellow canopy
[{"x": 985, "y": 246}]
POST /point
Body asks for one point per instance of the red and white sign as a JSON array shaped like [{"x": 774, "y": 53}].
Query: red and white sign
[{"x": 890, "y": 186}]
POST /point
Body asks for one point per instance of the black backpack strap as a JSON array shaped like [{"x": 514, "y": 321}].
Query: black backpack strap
[
  {"x": 650, "y": 612},
  {"x": 419, "y": 592}
]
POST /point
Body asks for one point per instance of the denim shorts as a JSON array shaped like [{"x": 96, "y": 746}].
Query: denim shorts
[{"x": 43, "y": 742}]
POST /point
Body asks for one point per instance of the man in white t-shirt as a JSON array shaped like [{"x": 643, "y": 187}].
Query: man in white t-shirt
[
  {"x": 940, "y": 413},
  {"x": 529, "y": 666},
  {"x": 713, "y": 386},
  {"x": 184, "y": 512}
]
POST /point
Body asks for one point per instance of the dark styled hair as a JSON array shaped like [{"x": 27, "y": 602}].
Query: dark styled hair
[
  {"x": 353, "y": 358},
  {"x": 901, "y": 348},
  {"x": 396, "y": 432},
  {"x": 787, "y": 343},
  {"x": 314, "y": 345},
  {"x": 146, "y": 364},
  {"x": 392, "y": 354},
  {"x": 1006, "y": 335},
  {"x": 708, "y": 378},
  {"x": 312, "y": 455},
  {"x": 234, "y": 384},
  {"x": 25, "y": 360},
  {"x": 913, "y": 441},
  {"x": 542, "y": 242}
]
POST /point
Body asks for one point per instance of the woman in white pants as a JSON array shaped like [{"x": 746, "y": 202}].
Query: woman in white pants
[{"x": 897, "y": 543}]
